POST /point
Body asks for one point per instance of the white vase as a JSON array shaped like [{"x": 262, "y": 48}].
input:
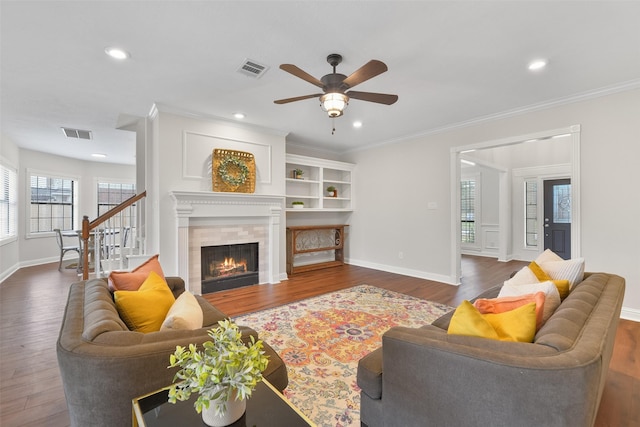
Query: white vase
[{"x": 234, "y": 410}]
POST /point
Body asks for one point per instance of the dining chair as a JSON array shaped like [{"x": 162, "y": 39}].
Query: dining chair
[{"x": 66, "y": 248}]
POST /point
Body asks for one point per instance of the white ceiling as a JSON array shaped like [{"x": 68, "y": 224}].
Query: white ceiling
[{"x": 450, "y": 63}]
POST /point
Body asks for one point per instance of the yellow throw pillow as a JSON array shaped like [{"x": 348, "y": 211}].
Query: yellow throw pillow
[
  {"x": 515, "y": 325},
  {"x": 561, "y": 284},
  {"x": 144, "y": 310}
]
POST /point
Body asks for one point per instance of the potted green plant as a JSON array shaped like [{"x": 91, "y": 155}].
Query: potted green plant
[
  {"x": 297, "y": 204},
  {"x": 224, "y": 374},
  {"x": 297, "y": 173},
  {"x": 333, "y": 191}
]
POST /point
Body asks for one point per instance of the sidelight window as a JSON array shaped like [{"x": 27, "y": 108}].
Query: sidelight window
[
  {"x": 467, "y": 210},
  {"x": 531, "y": 213}
]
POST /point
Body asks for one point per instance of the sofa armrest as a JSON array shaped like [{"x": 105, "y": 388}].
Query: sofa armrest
[{"x": 176, "y": 284}]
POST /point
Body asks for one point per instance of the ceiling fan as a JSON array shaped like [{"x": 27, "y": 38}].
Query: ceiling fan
[{"x": 336, "y": 87}]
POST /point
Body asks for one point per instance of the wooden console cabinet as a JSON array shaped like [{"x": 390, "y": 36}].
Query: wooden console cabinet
[{"x": 314, "y": 238}]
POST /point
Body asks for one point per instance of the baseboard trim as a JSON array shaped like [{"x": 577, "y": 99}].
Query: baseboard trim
[
  {"x": 404, "y": 271},
  {"x": 31, "y": 263},
  {"x": 8, "y": 272},
  {"x": 630, "y": 314}
]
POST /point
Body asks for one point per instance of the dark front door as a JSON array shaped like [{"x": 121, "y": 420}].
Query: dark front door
[{"x": 557, "y": 216}]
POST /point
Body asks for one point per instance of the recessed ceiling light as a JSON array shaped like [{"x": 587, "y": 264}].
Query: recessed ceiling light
[
  {"x": 538, "y": 64},
  {"x": 239, "y": 115},
  {"x": 357, "y": 124},
  {"x": 99, "y": 155},
  {"x": 117, "y": 53}
]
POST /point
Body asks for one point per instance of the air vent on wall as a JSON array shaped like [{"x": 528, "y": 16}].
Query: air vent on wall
[
  {"x": 252, "y": 69},
  {"x": 77, "y": 133}
]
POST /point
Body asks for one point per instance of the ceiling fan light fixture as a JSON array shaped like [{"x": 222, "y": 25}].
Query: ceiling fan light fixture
[{"x": 334, "y": 103}]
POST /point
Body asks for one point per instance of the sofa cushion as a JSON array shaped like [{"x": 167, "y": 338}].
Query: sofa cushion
[
  {"x": 132, "y": 280},
  {"x": 144, "y": 310},
  {"x": 551, "y": 299},
  {"x": 185, "y": 313},
  {"x": 515, "y": 325}
]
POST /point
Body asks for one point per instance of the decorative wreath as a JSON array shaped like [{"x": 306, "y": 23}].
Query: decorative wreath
[{"x": 242, "y": 171}]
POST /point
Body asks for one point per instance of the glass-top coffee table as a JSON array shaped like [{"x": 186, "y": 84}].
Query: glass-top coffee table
[{"x": 266, "y": 407}]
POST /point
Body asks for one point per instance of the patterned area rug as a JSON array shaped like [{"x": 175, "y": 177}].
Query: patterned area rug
[{"x": 321, "y": 340}]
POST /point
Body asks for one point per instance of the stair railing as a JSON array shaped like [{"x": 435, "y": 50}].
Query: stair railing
[{"x": 108, "y": 237}]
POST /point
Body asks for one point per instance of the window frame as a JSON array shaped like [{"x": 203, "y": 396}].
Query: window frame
[
  {"x": 12, "y": 205},
  {"x": 526, "y": 204},
  {"x": 75, "y": 216},
  {"x": 109, "y": 181},
  {"x": 477, "y": 214}
]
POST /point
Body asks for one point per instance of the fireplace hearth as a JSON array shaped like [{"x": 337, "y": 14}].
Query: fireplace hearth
[{"x": 229, "y": 266}]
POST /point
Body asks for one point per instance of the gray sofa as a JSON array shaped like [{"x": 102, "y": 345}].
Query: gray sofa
[
  {"x": 104, "y": 365},
  {"x": 424, "y": 377}
]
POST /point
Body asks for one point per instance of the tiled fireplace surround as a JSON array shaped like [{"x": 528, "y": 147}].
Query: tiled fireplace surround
[{"x": 210, "y": 219}]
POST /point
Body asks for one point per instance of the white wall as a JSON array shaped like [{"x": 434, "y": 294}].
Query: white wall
[
  {"x": 9, "y": 260},
  {"x": 37, "y": 250},
  {"x": 393, "y": 214},
  {"x": 180, "y": 148}
]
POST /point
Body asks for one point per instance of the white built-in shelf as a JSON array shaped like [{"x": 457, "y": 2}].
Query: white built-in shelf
[{"x": 318, "y": 175}]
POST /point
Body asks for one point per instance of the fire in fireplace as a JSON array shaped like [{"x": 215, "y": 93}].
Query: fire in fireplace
[{"x": 229, "y": 266}]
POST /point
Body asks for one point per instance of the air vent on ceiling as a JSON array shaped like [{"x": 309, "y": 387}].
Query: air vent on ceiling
[
  {"x": 252, "y": 69},
  {"x": 77, "y": 133}
]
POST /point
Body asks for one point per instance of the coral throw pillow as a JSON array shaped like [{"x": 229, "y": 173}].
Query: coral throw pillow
[
  {"x": 515, "y": 325},
  {"x": 185, "y": 313},
  {"x": 504, "y": 304},
  {"x": 144, "y": 310},
  {"x": 551, "y": 299},
  {"x": 131, "y": 281}
]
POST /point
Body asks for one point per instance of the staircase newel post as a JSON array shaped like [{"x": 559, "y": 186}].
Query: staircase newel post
[{"x": 85, "y": 247}]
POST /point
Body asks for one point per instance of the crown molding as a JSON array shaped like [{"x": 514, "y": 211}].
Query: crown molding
[{"x": 604, "y": 91}]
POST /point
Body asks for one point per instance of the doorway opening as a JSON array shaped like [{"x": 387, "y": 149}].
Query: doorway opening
[{"x": 509, "y": 224}]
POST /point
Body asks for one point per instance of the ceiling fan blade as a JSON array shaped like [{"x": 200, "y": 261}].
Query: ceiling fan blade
[
  {"x": 297, "y": 98},
  {"x": 290, "y": 68},
  {"x": 364, "y": 73},
  {"x": 380, "y": 98}
]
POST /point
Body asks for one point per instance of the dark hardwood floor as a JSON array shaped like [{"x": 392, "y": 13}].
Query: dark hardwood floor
[{"x": 32, "y": 303}]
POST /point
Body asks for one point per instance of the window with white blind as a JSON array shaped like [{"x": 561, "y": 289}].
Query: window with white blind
[
  {"x": 8, "y": 203},
  {"x": 53, "y": 203},
  {"x": 110, "y": 195}
]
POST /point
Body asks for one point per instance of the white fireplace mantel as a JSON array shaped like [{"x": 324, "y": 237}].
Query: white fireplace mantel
[{"x": 197, "y": 207}]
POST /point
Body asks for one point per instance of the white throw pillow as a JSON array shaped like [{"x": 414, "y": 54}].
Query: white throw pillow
[
  {"x": 571, "y": 270},
  {"x": 548, "y": 255},
  {"x": 552, "y": 297},
  {"x": 185, "y": 313},
  {"x": 523, "y": 277}
]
